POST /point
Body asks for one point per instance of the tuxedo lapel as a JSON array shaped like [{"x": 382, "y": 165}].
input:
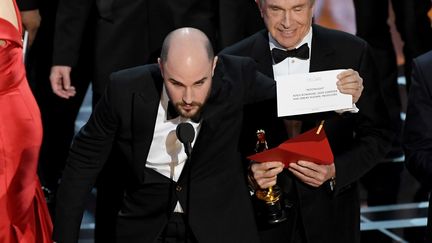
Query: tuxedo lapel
[
  {"x": 260, "y": 52},
  {"x": 322, "y": 58},
  {"x": 322, "y": 51},
  {"x": 211, "y": 116},
  {"x": 145, "y": 103}
]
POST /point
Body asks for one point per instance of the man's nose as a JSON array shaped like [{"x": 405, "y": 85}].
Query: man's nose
[
  {"x": 188, "y": 96},
  {"x": 286, "y": 19}
]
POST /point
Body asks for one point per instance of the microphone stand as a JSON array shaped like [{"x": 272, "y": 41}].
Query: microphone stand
[
  {"x": 186, "y": 134},
  {"x": 188, "y": 184}
]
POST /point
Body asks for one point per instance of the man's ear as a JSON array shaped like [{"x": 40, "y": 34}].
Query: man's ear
[
  {"x": 258, "y": 2},
  {"x": 215, "y": 59},
  {"x": 313, "y": 9},
  {"x": 160, "y": 66}
]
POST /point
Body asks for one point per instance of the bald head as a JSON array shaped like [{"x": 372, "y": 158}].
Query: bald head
[
  {"x": 186, "y": 42},
  {"x": 187, "y": 64}
]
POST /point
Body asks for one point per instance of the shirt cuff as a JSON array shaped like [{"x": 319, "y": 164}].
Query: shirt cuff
[{"x": 353, "y": 109}]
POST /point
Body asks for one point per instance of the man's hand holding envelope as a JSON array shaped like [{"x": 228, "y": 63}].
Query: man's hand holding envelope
[
  {"x": 308, "y": 156},
  {"x": 313, "y": 171},
  {"x": 333, "y": 90},
  {"x": 350, "y": 83},
  {"x": 265, "y": 174}
]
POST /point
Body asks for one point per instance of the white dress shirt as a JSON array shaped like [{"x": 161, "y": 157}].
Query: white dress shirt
[
  {"x": 291, "y": 65},
  {"x": 166, "y": 154}
]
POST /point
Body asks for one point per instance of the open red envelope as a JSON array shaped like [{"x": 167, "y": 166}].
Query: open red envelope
[{"x": 308, "y": 146}]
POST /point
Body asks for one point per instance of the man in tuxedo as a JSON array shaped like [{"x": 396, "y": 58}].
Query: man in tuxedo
[
  {"x": 204, "y": 199},
  {"x": 127, "y": 33},
  {"x": 322, "y": 201},
  {"x": 418, "y": 129}
]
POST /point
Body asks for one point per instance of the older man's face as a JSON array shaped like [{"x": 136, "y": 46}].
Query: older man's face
[{"x": 288, "y": 21}]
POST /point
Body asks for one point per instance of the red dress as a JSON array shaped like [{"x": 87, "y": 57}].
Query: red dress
[{"x": 24, "y": 215}]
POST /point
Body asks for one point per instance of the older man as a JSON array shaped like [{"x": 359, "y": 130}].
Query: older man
[{"x": 322, "y": 200}]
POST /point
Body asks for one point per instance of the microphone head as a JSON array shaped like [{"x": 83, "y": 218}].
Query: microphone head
[{"x": 185, "y": 133}]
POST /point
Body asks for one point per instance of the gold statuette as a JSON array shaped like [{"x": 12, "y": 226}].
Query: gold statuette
[{"x": 271, "y": 208}]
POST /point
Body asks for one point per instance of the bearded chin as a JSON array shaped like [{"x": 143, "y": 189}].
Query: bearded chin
[{"x": 189, "y": 115}]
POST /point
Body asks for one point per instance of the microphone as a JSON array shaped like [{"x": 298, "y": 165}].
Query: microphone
[{"x": 186, "y": 134}]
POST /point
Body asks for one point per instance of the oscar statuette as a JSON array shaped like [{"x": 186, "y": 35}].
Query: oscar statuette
[{"x": 271, "y": 206}]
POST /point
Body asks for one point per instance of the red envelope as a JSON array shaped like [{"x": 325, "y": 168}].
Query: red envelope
[{"x": 308, "y": 146}]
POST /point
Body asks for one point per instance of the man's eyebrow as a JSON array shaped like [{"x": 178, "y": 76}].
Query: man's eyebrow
[
  {"x": 201, "y": 80},
  {"x": 175, "y": 81},
  {"x": 274, "y": 6}
]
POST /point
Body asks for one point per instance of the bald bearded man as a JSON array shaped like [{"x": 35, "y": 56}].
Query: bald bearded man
[{"x": 202, "y": 200}]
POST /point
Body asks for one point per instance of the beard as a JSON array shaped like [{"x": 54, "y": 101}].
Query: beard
[{"x": 195, "y": 113}]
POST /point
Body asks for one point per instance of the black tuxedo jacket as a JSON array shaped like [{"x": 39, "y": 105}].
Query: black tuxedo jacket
[
  {"x": 358, "y": 141},
  {"x": 220, "y": 210},
  {"x": 418, "y": 128}
]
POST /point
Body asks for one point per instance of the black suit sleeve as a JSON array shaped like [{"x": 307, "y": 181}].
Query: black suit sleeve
[
  {"x": 71, "y": 19},
  {"x": 418, "y": 125},
  {"x": 262, "y": 87},
  {"x": 257, "y": 86},
  {"x": 372, "y": 135},
  {"x": 88, "y": 153}
]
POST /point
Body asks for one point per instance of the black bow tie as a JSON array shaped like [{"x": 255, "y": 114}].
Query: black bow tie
[
  {"x": 279, "y": 55},
  {"x": 171, "y": 111}
]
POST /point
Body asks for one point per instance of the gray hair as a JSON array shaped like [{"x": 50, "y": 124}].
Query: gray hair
[{"x": 312, "y": 2}]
